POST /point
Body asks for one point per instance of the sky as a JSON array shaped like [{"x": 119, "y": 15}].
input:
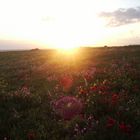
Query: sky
[{"x": 26, "y": 24}]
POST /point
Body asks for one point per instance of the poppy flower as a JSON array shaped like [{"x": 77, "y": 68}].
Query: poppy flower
[
  {"x": 110, "y": 122},
  {"x": 31, "y": 135},
  {"x": 125, "y": 128},
  {"x": 66, "y": 82}
]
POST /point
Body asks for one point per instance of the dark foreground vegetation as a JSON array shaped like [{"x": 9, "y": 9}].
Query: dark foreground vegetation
[{"x": 93, "y": 94}]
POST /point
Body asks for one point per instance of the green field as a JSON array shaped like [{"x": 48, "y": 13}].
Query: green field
[{"x": 93, "y": 94}]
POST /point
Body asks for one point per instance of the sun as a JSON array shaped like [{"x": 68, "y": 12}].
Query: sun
[
  {"x": 66, "y": 49},
  {"x": 65, "y": 44}
]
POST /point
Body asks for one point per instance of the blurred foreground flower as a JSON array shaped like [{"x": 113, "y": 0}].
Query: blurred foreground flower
[
  {"x": 66, "y": 82},
  {"x": 68, "y": 107}
]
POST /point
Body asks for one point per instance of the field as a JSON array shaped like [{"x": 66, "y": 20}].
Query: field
[{"x": 93, "y": 94}]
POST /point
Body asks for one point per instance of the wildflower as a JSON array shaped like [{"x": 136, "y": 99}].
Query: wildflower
[
  {"x": 90, "y": 122},
  {"x": 25, "y": 90},
  {"x": 94, "y": 88},
  {"x": 31, "y": 135},
  {"x": 101, "y": 89},
  {"x": 66, "y": 82},
  {"x": 68, "y": 107},
  {"x": 114, "y": 98},
  {"x": 77, "y": 129},
  {"x": 89, "y": 73},
  {"x": 110, "y": 122},
  {"x": 6, "y": 138},
  {"x": 82, "y": 91},
  {"x": 125, "y": 128}
]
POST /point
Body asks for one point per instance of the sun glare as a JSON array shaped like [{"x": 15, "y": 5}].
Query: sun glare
[{"x": 67, "y": 50}]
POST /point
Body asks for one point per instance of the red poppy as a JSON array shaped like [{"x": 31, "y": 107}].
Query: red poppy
[
  {"x": 82, "y": 91},
  {"x": 66, "y": 82},
  {"x": 94, "y": 88},
  {"x": 110, "y": 122},
  {"x": 125, "y": 128},
  {"x": 31, "y": 135}
]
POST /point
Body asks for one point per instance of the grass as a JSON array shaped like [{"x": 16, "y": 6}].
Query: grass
[{"x": 106, "y": 81}]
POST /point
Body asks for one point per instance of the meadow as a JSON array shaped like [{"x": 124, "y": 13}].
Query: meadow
[{"x": 93, "y": 94}]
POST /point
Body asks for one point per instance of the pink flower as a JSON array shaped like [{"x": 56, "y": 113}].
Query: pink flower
[
  {"x": 68, "y": 107},
  {"x": 25, "y": 90}
]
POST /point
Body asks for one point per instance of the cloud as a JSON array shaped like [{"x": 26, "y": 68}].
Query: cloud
[{"x": 122, "y": 16}]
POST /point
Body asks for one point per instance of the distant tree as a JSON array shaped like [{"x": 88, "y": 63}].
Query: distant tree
[
  {"x": 105, "y": 46},
  {"x": 35, "y": 49}
]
